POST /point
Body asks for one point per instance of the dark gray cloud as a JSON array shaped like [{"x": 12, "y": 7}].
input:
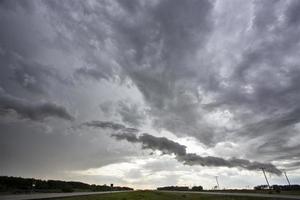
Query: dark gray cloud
[
  {"x": 163, "y": 46},
  {"x": 170, "y": 147},
  {"x": 167, "y": 146},
  {"x": 193, "y": 159},
  {"x": 154, "y": 143},
  {"x": 292, "y": 14},
  {"x": 161, "y": 143},
  {"x": 37, "y": 111},
  {"x": 273, "y": 124},
  {"x": 130, "y": 137},
  {"x": 105, "y": 125}
]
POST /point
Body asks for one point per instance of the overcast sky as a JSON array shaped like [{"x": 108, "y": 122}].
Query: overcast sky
[{"x": 150, "y": 93}]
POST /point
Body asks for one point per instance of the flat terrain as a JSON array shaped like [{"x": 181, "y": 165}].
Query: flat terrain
[{"x": 155, "y": 195}]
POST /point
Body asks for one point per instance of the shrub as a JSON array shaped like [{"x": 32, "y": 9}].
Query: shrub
[
  {"x": 197, "y": 188},
  {"x": 67, "y": 189}
]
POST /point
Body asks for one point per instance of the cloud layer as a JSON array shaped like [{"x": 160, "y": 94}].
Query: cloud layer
[
  {"x": 167, "y": 146},
  {"x": 38, "y": 111},
  {"x": 221, "y": 76}
]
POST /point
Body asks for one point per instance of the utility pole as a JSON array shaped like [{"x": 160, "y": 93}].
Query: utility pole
[
  {"x": 287, "y": 178},
  {"x": 217, "y": 182},
  {"x": 263, "y": 169}
]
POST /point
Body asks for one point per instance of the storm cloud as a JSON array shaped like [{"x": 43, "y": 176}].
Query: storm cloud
[
  {"x": 167, "y": 146},
  {"x": 37, "y": 112},
  {"x": 223, "y": 76},
  {"x": 104, "y": 124}
]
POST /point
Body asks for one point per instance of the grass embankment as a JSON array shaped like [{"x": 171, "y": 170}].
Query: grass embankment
[
  {"x": 295, "y": 192},
  {"x": 155, "y": 195}
]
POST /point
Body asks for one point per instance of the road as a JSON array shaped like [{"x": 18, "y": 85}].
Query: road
[
  {"x": 277, "y": 196},
  {"x": 49, "y": 195}
]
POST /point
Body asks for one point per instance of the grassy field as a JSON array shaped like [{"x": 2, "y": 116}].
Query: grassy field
[
  {"x": 296, "y": 192},
  {"x": 155, "y": 195}
]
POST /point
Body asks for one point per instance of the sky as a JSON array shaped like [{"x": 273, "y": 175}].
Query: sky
[{"x": 150, "y": 93}]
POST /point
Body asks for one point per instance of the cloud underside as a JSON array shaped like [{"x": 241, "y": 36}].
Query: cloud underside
[
  {"x": 167, "y": 146},
  {"x": 198, "y": 82},
  {"x": 33, "y": 111}
]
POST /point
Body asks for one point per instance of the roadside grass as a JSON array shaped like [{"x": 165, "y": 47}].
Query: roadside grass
[
  {"x": 155, "y": 195},
  {"x": 296, "y": 192}
]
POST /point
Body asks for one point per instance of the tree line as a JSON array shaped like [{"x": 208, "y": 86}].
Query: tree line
[
  {"x": 18, "y": 184},
  {"x": 181, "y": 188},
  {"x": 278, "y": 187}
]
